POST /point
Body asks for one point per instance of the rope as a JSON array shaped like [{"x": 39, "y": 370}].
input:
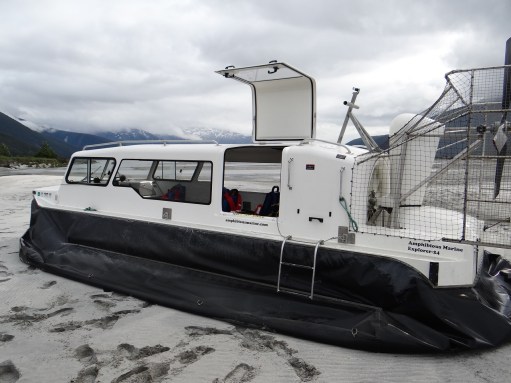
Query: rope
[{"x": 344, "y": 205}]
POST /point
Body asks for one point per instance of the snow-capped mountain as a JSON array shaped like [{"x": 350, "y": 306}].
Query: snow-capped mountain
[
  {"x": 128, "y": 135},
  {"x": 218, "y": 135},
  {"x": 221, "y": 136}
]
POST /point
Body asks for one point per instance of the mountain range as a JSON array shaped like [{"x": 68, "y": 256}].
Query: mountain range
[{"x": 24, "y": 141}]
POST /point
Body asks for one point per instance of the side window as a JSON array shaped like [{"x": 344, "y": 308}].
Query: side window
[
  {"x": 176, "y": 170},
  {"x": 133, "y": 171},
  {"x": 185, "y": 170},
  {"x": 136, "y": 174},
  {"x": 90, "y": 171},
  {"x": 78, "y": 170},
  {"x": 176, "y": 181},
  {"x": 166, "y": 170}
]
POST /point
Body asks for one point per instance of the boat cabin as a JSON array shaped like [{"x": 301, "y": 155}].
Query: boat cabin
[{"x": 199, "y": 184}]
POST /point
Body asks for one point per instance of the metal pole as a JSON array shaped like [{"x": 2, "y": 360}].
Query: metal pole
[{"x": 356, "y": 91}]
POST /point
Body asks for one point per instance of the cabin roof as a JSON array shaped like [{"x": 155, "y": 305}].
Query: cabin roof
[{"x": 204, "y": 151}]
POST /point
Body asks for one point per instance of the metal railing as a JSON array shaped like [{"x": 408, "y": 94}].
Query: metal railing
[{"x": 144, "y": 142}]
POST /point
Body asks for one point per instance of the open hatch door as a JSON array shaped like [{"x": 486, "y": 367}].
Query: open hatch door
[{"x": 283, "y": 101}]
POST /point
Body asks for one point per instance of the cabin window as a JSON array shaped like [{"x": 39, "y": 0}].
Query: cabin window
[
  {"x": 133, "y": 170},
  {"x": 175, "y": 181},
  {"x": 176, "y": 170},
  {"x": 90, "y": 171},
  {"x": 250, "y": 174}
]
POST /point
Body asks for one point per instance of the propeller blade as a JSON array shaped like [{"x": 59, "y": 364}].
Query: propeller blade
[
  {"x": 506, "y": 101},
  {"x": 499, "y": 170}
]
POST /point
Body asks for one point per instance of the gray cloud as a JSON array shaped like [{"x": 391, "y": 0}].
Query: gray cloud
[{"x": 93, "y": 65}]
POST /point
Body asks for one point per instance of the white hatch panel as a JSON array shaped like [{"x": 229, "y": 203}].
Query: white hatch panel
[
  {"x": 283, "y": 100},
  {"x": 313, "y": 178}
]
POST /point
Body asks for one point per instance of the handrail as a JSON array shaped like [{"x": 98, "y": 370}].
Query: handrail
[{"x": 141, "y": 142}]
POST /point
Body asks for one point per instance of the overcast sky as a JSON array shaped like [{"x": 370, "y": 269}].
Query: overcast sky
[{"x": 107, "y": 65}]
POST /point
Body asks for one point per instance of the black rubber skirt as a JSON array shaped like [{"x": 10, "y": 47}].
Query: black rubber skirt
[{"x": 360, "y": 300}]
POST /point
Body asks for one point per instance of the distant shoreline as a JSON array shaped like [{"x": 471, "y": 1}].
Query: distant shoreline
[
  {"x": 13, "y": 162},
  {"x": 31, "y": 165},
  {"x": 51, "y": 171}
]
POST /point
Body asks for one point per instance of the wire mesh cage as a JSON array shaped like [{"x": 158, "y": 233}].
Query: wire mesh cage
[{"x": 447, "y": 171}]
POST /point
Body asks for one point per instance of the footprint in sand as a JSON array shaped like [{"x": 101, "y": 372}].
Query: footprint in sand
[
  {"x": 86, "y": 355},
  {"x": 87, "y": 375},
  {"x": 108, "y": 300},
  {"x": 110, "y": 295},
  {"x": 47, "y": 285},
  {"x": 144, "y": 373},
  {"x": 4, "y": 274},
  {"x": 68, "y": 326},
  {"x": 103, "y": 304},
  {"x": 26, "y": 316},
  {"x": 8, "y": 372},
  {"x": 133, "y": 353},
  {"x": 242, "y": 373},
  {"x": 257, "y": 341},
  {"x": 18, "y": 309},
  {"x": 5, "y": 337},
  {"x": 193, "y": 355},
  {"x": 106, "y": 322},
  {"x": 139, "y": 374},
  {"x": 197, "y": 331}
]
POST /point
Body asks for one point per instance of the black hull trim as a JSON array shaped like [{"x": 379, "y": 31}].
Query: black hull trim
[{"x": 360, "y": 301}]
